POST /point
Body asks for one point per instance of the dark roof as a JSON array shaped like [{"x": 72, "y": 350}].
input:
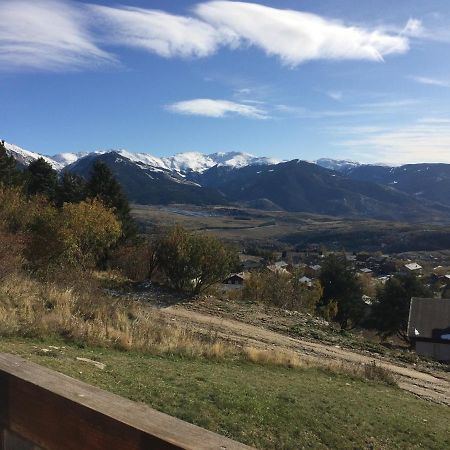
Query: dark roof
[{"x": 429, "y": 318}]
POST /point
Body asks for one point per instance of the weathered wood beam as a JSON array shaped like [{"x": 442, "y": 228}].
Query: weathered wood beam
[{"x": 57, "y": 412}]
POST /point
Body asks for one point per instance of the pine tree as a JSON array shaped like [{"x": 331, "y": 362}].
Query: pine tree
[
  {"x": 72, "y": 189},
  {"x": 9, "y": 174},
  {"x": 104, "y": 186},
  {"x": 391, "y": 309},
  {"x": 340, "y": 284},
  {"x": 41, "y": 178}
]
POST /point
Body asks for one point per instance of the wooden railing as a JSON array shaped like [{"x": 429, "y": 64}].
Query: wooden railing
[{"x": 41, "y": 409}]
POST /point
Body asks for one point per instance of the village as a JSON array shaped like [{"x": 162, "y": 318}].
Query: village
[{"x": 375, "y": 268}]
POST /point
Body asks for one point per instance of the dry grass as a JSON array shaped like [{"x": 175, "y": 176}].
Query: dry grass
[
  {"x": 371, "y": 372},
  {"x": 84, "y": 314},
  {"x": 39, "y": 309},
  {"x": 272, "y": 357}
]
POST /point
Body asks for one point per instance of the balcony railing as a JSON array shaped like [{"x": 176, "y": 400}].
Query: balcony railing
[{"x": 41, "y": 409}]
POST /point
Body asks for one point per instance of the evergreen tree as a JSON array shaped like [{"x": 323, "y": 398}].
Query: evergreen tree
[
  {"x": 72, "y": 189},
  {"x": 104, "y": 186},
  {"x": 41, "y": 178},
  {"x": 9, "y": 174},
  {"x": 341, "y": 285},
  {"x": 391, "y": 309}
]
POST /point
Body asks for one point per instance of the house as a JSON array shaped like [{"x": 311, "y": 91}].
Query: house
[
  {"x": 237, "y": 279},
  {"x": 313, "y": 271},
  {"x": 412, "y": 268},
  {"x": 429, "y": 327},
  {"x": 306, "y": 280},
  {"x": 366, "y": 271},
  {"x": 281, "y": 264},
  {"x": 384, "y": 279}
]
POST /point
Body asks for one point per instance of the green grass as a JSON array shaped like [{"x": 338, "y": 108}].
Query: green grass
[{"x": 265, "y": 406}]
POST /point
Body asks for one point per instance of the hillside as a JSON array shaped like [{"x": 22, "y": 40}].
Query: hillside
[
  {"x": 301, "y": 186},
  {"x": 424, "y": 181},
  {"x": 148, "y": 185}
]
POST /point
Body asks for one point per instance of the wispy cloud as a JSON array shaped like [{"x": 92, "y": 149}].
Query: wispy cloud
[
  {"x": 431, "y": 81},
  {"x": 64, "y": 34},
  {"x": 375, "y": 109},
  {"x": 427, "y": 140},
  {"x": 46, "y": 35},
  {"x": 216, "y": 108},
  {"x": 295, "y": 36},
  {"x": 156, "y": 31}
]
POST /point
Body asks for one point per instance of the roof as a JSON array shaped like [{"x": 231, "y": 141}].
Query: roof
[
  {"x": 366, "y": 270},
  {"x": 305, "y": 280},
  {"x": 316, "y": 267},
  {"x": 281, "y": 264},
  {"x": 241, "y": 275},
  {"x": 429, "y": 318},
  {"x": 413, "y": 266}
]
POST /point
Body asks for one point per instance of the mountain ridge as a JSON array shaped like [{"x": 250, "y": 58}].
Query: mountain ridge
[{"x": 325, "y": 186}]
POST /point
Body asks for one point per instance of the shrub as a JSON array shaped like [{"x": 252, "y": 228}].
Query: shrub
[
  {"x": 192, "y": 262},
  {"x": 135, "y": 261},
  {"x": 282, "y": 290},
  {"x": 77, "y": 235}
]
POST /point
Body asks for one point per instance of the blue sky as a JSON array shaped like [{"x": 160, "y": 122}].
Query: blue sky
[{"x": 367, "y": 81}]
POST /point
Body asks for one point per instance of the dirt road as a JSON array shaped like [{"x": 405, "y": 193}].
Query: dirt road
[{"x": 434, "y": 387}]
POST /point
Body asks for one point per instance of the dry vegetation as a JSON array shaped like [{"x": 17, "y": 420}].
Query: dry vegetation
[{"x": 84, "y": 314}]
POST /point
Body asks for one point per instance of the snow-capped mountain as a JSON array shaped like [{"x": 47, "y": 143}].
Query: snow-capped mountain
[
  {"x": 338, "y": 165},
  {"x": 181, "y": 162},
  {"x": 24, "y": 157},
  {"x": 218, "y": 178}
]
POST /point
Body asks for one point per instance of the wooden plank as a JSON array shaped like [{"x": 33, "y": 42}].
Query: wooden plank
[
  {"x": 58, "y": 412},
  {"x": 13, "y": 442}
]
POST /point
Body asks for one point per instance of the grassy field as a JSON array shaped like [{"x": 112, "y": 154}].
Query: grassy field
[
  {"x": 266, "y": 406},
  {"x": 280, "y": 229}
]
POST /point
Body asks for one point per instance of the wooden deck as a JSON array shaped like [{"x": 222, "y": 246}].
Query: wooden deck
[{"x": 41, "y": 409}]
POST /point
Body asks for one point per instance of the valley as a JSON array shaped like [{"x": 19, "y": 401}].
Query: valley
[{"x": 281, "y": 230}]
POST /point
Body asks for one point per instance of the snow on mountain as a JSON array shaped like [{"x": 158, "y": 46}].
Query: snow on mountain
[
  {"x": 181, "y": 162},
  {"x": 199, "y": 162},
  {"x": 25, "y": 156},
  {"x": 338, "y": 165},
  {"x": 68, "y": 158}
]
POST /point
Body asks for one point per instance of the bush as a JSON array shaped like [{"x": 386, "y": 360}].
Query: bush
[
  {"x": 77, "y": 235},
  {"x": 11, "y": 248},
  {"x": 282, "y": 290},
  {"x": 191, "y": 262},
  {"x": 137, "y": 262}
]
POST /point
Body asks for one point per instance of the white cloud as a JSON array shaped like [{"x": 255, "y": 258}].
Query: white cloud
[
  {"x": 64, "y": 34},
  {"x": 216, "y": 108},
  {"x": 427, "y": 140},
  {"x": 46, "y": 35},
  {"x": 296, "y": 37},
  {"x": 431, "y": 81},
  {"x": 165, "y": 34}
]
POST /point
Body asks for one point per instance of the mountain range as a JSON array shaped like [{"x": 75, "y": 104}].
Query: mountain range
[{"x": 413, "y": 192}]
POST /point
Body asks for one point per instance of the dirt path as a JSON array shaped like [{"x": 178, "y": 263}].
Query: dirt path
[{"x": 431, "y": 387}]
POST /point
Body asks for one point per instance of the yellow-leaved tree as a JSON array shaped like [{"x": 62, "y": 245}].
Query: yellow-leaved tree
[{"x": 76, "y": 235}]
